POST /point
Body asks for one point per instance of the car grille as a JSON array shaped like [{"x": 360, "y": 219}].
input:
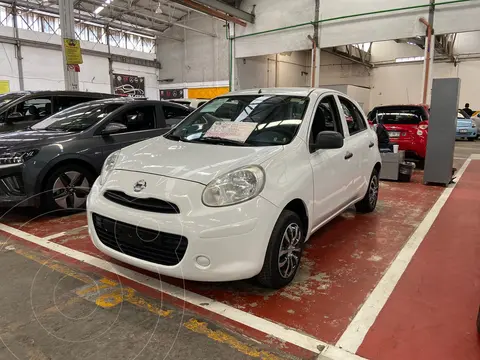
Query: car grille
[
  {"x": 12, "y": 185},
  {"x": 145, "y": 244},
  {"x": 146, "y": 204}
]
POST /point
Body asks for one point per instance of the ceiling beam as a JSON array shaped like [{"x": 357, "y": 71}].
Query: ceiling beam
[
  {"x": 100, "y": 21},
  {"x": 210, "y": 11},
  {"x": 135, "y": 11},
  {"x": 228, "y": 9}
]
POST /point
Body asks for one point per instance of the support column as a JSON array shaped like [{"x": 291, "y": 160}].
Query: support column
[
  {"x": 315, "y": 68},
  {"x": 110, "y": 61},
  {"x": 232, "y": 66},
  {"x": 18, "y": 48},
  {"x": 67, "y": 27}
]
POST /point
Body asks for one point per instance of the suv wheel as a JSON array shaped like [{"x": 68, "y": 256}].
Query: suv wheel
[
  {"x": 67, "y": 188},
  {"x": 284, "y": 251},
  {"x": 369, "y": 202}
]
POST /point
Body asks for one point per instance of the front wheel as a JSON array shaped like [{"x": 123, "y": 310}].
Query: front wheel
[
  {"x": 67, "y": 188},
  {"x": 471, "y": 139},
  {"x": 284, "y": 251},
  {"x": 369, "y": 201}
]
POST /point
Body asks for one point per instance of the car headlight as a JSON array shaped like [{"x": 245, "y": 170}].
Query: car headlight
[
  {"x": 474, "y": 125},
  {"x": 17, "y": 157},
  {"x": 234, "y": 187},
  {"x": 108, "y": 166}
]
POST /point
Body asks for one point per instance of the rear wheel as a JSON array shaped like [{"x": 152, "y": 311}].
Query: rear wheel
[
  {"x": 284, "y": 251},
  {"x": 67, "y": 188},
  {"x": 369, "y": 202}
]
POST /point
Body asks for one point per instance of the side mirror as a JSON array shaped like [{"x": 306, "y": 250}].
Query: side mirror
[
  {"x": 113, "y": 128},
  {"x": 328, "y": 140}
]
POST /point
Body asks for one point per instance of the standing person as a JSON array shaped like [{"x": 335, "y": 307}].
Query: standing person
[{"x": 468, "y": 110}]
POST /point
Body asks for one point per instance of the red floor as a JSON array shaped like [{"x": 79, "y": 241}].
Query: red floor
[
  {"x": 343, "y": 262},
  {"x": 432, "y": 311}
]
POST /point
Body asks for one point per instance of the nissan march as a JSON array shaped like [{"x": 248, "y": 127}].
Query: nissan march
[{"x": 235, "y": 190}]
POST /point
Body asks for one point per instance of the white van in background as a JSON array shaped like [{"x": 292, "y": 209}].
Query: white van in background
[{"x": 193, "y": 103}]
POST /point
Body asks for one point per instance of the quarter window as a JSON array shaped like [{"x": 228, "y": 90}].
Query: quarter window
[{"x": 355, "y": 121}]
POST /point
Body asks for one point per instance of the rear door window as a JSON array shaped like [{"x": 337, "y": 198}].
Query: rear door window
[
  {"x": 355, "y": 121},
  {"x": 64, "y": 102},
  {"x": 139, "y": 118}
]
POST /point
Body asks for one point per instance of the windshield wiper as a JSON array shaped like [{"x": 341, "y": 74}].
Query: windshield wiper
[
  {"x": 174, "y": 137},
  {"x": 219, "y": 140}
]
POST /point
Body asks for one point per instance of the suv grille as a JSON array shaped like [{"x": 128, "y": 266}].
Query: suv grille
[
  {"x": 147, "y": 204},
  {"x": 145, "y": 244}
]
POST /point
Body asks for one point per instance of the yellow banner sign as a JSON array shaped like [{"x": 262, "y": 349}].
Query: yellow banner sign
[
  {"x": 4, "y": 86},
  {"x": 206, "y": 93},
  {"x": 73, "y": 53}
]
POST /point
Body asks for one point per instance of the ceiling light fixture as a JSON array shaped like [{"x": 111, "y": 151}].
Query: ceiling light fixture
[
  {"x": 97, "y": 10},
  {"x": 159, "y": 10}
]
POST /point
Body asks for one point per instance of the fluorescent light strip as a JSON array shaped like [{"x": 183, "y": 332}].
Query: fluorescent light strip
[{"x": 410, "y": 59}]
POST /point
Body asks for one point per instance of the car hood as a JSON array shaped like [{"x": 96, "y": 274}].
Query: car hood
[
  {"x": 29, "y": 139},
  {"x": 196, "y": 162},
  {"x": 464, "y": 123}
]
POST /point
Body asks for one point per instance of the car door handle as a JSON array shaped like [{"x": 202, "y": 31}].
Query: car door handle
[
  {"x": 371, "y": 144},
  {"x": 348, "y": 155}
]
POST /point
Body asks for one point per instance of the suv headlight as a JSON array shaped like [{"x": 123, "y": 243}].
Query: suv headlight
[
  {"x": 234, "y": 187},
  {"x": 17, "y": 157},
  {"x": 108, "y": 166}
]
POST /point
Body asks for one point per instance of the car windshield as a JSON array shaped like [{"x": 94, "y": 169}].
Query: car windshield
[
  {"x": 462, "y": 114},
  {"x": 398, "y": 115},
  {"x": 5, "y": 99},
  {"x": 254, "y": 120},
  {"x": 77, "y": 118}
]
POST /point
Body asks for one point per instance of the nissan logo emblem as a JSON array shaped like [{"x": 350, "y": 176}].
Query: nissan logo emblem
[{"x": 139, "y": 185}]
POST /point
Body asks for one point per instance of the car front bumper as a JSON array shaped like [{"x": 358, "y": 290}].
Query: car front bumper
[
  {"x": 466, "y": 133},
  {"x": 12, "y": 189},
  {"x": 224, "y": 244}
]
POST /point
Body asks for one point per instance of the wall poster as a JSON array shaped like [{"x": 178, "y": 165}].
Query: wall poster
[{"x": 129, "y": 85}]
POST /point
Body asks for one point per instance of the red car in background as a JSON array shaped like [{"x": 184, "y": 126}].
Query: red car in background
[{"x": 407, "y": 126}]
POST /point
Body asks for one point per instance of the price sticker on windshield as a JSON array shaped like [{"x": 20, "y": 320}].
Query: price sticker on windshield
[{"x": 238, "y": 131}]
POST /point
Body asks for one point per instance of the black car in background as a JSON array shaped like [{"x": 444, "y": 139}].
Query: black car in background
[
  {"x": 19, "y": 110},
  {"x": 55, "y": 162}
]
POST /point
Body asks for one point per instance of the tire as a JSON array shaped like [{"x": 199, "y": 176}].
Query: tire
[
  {"x": 60, "y": 194},
  {"x": 273, "y": 275},
  {"x": 471, "y": 139},
  {"x": 369, "y": 201}
]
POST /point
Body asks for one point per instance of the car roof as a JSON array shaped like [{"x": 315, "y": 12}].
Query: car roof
[
  {"x": 294, "y": 91},
  {"x": 57, "y": 92},
  {"x": 400, "y": 105}
]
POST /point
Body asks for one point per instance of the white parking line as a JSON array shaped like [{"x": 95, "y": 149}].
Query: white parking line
[
  {"x": 63, "y": 233},
  {"x": 252, "y": 321},
  {"x": 355, "y": 333}
]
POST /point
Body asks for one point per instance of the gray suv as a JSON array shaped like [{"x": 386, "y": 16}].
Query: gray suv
[
  {"x": 19, "y": 110},
  {"x": 55, "y": 162}
]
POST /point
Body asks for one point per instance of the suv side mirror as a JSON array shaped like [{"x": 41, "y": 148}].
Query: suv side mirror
[
  {"x": 328, "y": 140},
  {"x": 113, "y": 128}
]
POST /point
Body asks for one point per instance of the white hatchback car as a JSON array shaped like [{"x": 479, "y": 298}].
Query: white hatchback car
[{"x": 236, "y": 189}]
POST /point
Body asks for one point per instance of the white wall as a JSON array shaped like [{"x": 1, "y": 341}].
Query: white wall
[
  {"x": 289, "y": 69},
  {"x": 8, "y": 66},
  {"x": 388, "y": 51},
  {"x": 43, "y": 68},
  {"x": 335, "y": 70},
  {"x": 200, "y": 58}
]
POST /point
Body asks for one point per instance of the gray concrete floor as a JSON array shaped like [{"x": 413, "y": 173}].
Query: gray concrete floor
[{"x": 52, "y": 312}]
